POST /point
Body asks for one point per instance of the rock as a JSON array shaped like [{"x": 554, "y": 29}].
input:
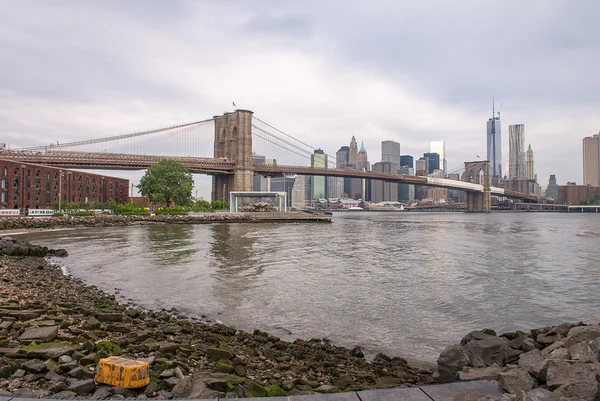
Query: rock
[
  {"x": 525, "y": 344},
  {"x": 325, "y": 388},
  {"x": 488, "y": 373},
  {"x": 67, "y": 395},
  {"x": 44, "y": 334},
  {"x": 34, "y": 366},
  {"x": 218, "y": 353},
  {"x": 581, "y": 333},
  {"x": 537, "y": 394},
  {"x": 80, "y": 373},
  {"x": 485, "y": 350},
  {"x": 82, "y": 387},
  {"x": 57, "y": 386},
  {"x": 547, "y": 339},
  {"x": 53, "y": 376},
  {"x": 109, "y": 317},
  {"x": 64, "y": 359},
  {"x": 164, "y": 394},
  {"x": 134, "y": 313},
  {"x": 516, "y": 380},
  {"x": 563, "y": 328},
  {"x": 125, "y": 392},
  {"x": 582, "y": 352},
  {"x": 167, "y": 373},
  {"x": 450, "y": 362},
  {"x": 586, "y": 390},
  {"x": 561, "y": 372},
  {"x": 217, "y": 384},
  {"x": 224, "y": 367},
  {"x": 171, "y": 382},
  {"x": 256, "y": 390},
  {"x": 560, "y": 353},
  {"x": 535, "y": 362},
  {"x": 183, "y": 388},
  {"x": 275, "y": 391},
  {"x": 102, "y": 392},
  {"x": 119, "y": 328},
  {"x": 151, "y": 389},
  {"x": 50, "y": 353},
  {"x": 24, "y": 392}
]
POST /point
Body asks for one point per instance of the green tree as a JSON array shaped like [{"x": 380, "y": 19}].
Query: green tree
[{"x": 167, "y": 181}]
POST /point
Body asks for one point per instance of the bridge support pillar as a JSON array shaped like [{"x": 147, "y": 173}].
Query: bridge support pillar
[
  {"x": 479, "y": 173},
  {"x": 233, "y": 141},
  {"x": 478, "y": 202}
]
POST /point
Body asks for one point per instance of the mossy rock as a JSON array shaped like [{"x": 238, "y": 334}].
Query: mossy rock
[
  {"x": 37, "y": 347},
  {"x": 275, "y": 391},
  {"x": 256, "y": 390},
  {"x": 109, "y": 347},
  {"x": 224, "y": 367},
  {"x": 235, "y": 380}
]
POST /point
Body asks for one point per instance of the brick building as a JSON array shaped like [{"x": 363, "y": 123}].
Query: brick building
[
  {"x": 572, "y": 194},
  {"x": 42, "y": 185}
]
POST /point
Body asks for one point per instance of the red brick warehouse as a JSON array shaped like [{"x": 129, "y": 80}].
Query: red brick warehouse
[{"x": 33, "y": 186}]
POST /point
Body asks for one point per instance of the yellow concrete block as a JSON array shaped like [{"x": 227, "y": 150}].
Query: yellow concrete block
[{"x": 123, "y": 372}]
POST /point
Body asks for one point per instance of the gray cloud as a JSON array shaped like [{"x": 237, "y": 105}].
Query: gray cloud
[{"x": 321, "y": 71}]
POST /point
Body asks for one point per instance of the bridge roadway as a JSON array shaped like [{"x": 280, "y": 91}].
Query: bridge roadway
[{"x": 119, "y": 161}]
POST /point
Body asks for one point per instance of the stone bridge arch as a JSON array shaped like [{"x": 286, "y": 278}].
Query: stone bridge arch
[{"x": 478, "y": 172}]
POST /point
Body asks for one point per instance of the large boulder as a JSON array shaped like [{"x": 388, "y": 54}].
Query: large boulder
[
  {"x": 535, "y": 362},
  {"x": 562, "y": 372},
  {"x": 44, "y": 334},
  {"x": 451, "y": 361},
  {"x": 486, "y": 350},
  {"x": 516, "y": 380}
]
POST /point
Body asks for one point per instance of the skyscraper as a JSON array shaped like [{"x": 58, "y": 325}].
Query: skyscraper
[
  {"x": 433, "y": 162},
  {"x": 494, "y": 147},
  {"x": 390, "y": 152},
  {"x": 341, "y": 157},
  {"x": 353, "y": 153},
  {"x": 552, "y": 190},
  {"x": 591, "y": 160},
  {"x": 318, "y": 184},
  {"x": 406, "y": 192},
  {"x": 362, "y": 160},
  {"x": 531, "y": 175},
  {"x": 516, "y": 152},
  {"x": 406, "y": 161},
  {"x": 439, "y": 147},
  {"x": 382, "y": 191}
]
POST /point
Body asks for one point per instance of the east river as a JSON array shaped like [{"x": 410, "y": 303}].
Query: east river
[{"x": 404, "y": 284}]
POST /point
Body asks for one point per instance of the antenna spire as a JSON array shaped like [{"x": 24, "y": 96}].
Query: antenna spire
[{"x": 493, "y": 108}]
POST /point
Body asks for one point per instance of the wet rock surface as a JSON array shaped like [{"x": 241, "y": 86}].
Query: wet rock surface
[
  {"x": 548, "y": 363},
  {"x": 54, "y": 329}
]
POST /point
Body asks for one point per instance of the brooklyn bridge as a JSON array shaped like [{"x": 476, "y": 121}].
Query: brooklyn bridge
[{"x": 223, "y": 145}]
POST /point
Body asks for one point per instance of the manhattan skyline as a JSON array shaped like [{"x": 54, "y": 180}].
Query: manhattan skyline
[{"x": 82, "y": 69}]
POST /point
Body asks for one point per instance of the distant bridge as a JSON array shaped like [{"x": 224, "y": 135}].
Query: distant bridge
[{"x": 232, "y": 163}]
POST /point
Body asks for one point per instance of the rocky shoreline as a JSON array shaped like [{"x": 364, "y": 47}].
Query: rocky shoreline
[
  {"x": 23, "y": 223},
  {"x": 546, "y": 364},
  {"x": 54, "y": 329}
]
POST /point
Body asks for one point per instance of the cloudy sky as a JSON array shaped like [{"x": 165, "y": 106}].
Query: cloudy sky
[{"x": 319, "y": 70}]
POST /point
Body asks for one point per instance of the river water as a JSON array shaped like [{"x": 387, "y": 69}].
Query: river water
[{"x": 405, "y": 284}]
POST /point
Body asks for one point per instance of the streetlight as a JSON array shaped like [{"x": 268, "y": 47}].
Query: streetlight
[{"x": 60, "y": 175}]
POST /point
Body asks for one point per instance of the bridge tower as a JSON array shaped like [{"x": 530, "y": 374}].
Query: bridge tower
[
  {"x": 479, "y": 173},
  {"x": 233, "y": 141}
]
